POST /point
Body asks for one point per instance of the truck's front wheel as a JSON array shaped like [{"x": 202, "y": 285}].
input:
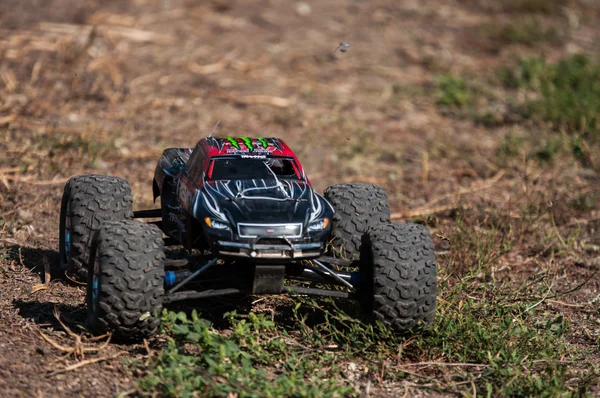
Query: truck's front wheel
[
  {"x": 126, "y": 279},
  {"x": 400, "y": 286}
]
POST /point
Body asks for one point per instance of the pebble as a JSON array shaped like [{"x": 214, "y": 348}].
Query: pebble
[
  {"x": 25, "y": 214},
  {"x": 303, "y": 9}
]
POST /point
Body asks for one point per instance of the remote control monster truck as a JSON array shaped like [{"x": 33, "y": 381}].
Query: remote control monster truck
[{"x": 246, "y": 209}]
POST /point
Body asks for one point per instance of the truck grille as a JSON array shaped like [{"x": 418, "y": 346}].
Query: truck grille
[{"x": 269, "y": 230}]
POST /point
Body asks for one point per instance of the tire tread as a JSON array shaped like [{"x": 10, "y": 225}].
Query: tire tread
[
  {"x": 357, "y": 207},
  {"x": 95, "y": 199},
  {"x": 404, "y": 275},
  {"x": 131, "y": 279}
]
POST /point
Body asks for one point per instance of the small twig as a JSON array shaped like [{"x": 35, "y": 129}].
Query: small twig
[
  {"x": 67, "y": 329},
  {"x": 79, "y": 349},
  {"x": 100, "y": 348},
  {"x": 562, "y": 241},
  {"x": 98, "y": 338},
  {"x": 7, "y": 119},
  {"x": 147, "y": 346},
  {"x": 425, "y": 175},
  {"x": 576, "y": 287},
  {"x": 208, "y": 69},
  {"x": 73, "y": 280},
  {"x": 422, "y": 212},
  {"x": 539, "y": 302},
  {"x": 563, "y": 293},
  {"x": 21, "y": 258},
  {"x": 10, "y": 170},
  {"x": 566, "y": 304},
  {"x": 86, "y": 362},
  {"x": 405, "y": 390},
  {"x": 32, "y": 181},
  {"x": 253, "y": 99},
  {"x": 54, "y": 344},
  {"x": 564, "y": 361},
  {"x": 466, "y": 364},
  {"x": 427, "y": 208},
  {"x": 47, "y": 275},
  {"x": 417, "y": 375},
  {"x": 266, "y": 99},
  {"x": 40, "y": 286}
]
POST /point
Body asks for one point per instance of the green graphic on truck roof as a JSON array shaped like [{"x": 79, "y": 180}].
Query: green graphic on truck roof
[
  {"x": 263, "y": 142},
  {"x": 233, "y": 142},
  {"x": 248, "y": 142}
]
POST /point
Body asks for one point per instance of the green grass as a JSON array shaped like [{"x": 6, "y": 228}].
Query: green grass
[
  {"x": 512, "y": 146},
  {"x": 548, "y": 7},
  {"x": 4, "y": 251},
  {"x": 254, "y": 360},
  {"x": 545, "y": 148},
  {"x": 85, "y": 146},
  {"x": 494, "y": 337},
  {"x": 487, "y": 336},
  {"x": 452, "y": 91},
  {"x": 567, "y": 93},
  {"x": 534, "y": 6},
  {"x": 528, "y": 31}
]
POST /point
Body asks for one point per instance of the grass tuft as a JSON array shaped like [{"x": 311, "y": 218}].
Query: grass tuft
[
  {"x": 568, "y": 93},
  {"x": 528, "y": 31},
  {"x": 487, "y": 336},
  {"x": 199, "y": 360},
  {"x": 452, "y": 91},
  {"x": 547, "y": 7}
]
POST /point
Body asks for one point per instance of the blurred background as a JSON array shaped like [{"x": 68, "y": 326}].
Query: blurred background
[{"x": 421, "y": 102}]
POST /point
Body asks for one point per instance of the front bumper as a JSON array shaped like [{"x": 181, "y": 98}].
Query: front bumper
[
  {"x": 267, "y": 242},
  {"x": 270, "y": 251}
]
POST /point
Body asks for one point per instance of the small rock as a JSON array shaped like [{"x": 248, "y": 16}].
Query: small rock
[
  {"x": 344, "y": 46},
  {"x": 101, "y": 164},
  {"x": 303, "y": 9},
  {"x": 351, "y": 372},
  {"x": 25, "y": 214}
]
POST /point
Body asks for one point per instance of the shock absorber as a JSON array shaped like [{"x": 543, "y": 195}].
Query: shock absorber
[{"x": 174, "y": 277}]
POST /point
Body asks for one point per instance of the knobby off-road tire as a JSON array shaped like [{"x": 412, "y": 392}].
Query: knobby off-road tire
[
  {"x": 126, "y": 280},
  {"x": 87, "y": 202},
  {"x": 401, "y": 288},
  {"x": 357, "y": 207}
]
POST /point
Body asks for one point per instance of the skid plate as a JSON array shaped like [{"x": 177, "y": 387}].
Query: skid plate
[{"x": 268, "y": 279}]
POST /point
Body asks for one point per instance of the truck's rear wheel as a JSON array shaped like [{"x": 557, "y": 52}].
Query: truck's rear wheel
[
  {"x": 357, "y": 207},
  {"x": 126, "y": 279},
  {"x": 400, "y": 276},
  {"x": 87, "y": 202}
]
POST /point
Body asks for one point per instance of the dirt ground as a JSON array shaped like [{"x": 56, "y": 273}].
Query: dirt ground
[{"x": 105, "y": 85}]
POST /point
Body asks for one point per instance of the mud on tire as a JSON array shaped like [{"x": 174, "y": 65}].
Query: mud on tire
[
  {"x": 401, "y": 288},
  {"x": 87, "y": 202},
  {"x": 126, "y": 280},
  {"x": 357, "y": 207}
]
